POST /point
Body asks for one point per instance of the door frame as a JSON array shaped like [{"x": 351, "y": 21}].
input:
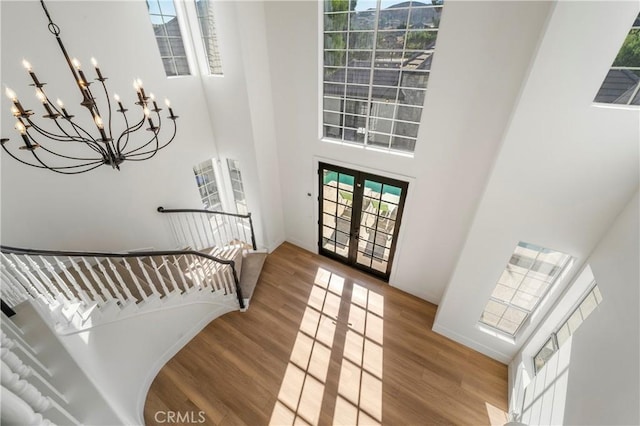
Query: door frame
[{"x": 359, "y": 177}]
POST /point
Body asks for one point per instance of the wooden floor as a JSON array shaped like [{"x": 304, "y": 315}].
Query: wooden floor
[{"x": 324, "y": 344}]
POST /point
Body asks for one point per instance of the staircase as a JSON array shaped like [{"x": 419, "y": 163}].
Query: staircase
[
  {"x": 117, "y": 317},
  {"x": 218, "y": 262}
]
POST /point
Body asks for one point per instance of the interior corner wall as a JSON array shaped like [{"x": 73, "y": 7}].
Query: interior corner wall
[
  {"x": 104, "y": 209},
  {"x": 566, "y": 169},
  {"x": 604, "y": 372},
  {"x": 240, "y": 109},
  {"x": 458, "y": 139}
]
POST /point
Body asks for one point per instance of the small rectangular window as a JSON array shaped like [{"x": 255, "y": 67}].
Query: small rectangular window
[
  {"x": 164, "y": 19},
  {"x": 206, "y": 22},
  {"x": 237, "y": 187},
  {"x": 586, "y": 306},
  {"x": 530, "y": 274},
  {"x": 622, "y": 83},
  {"x": 207, "y": 185},
  {"x": 545, "y": 353}
]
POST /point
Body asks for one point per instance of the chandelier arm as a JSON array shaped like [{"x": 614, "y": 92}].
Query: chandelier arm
[
  {"x": 89, "y": 142},
  {"x": 117, "y": 144},
  {"x": 21, "y": 161},
  {"x": 129, "y": 130},
  {"x": 106, "y": 95},
  {"x": 153, "y": 138},
  {"x": 66, "y": 156},
  {"x": 175, "y": 128},
  {"x": 57, "y": 169}
]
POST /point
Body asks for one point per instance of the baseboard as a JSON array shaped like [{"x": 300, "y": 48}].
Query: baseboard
[{"x": 491, "y": 353}]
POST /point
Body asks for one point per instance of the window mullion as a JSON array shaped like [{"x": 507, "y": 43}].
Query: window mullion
[{"x": 372, "y": 66}]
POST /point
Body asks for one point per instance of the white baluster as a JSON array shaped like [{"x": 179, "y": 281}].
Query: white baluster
[
  {"x": 183, "y": 279},
  {"x": 174, "y": 231},
  {"x": 161, "y": 279},
  {"x": 201, "y": 267},
  {"x": 206, "y": 229},
  {"x": 10, "y": 294},
  {"x": 96, "y": 279},
  {"x": 147, "y": 278},
  {"x": 23, "y": 273},
  {"x": 46, "y": 281},
  {"x": 195, "y": 276},
  {"x": 24, "y": 347},
  {"x": 186, "y": 241},
  {"x": 61, "y": 284},
  {"x": 110, "y": 282},
  {"x": 23, "y": 389},
  {"x": 15, "y": 363},
  {"x": 134, "y": 277},
  {"x": 82, "y": 295},
  {"x": 16, "y": 412},
  {"x": 165, "y": 263},
  {"x": 123, "y": 286},
  {"x": 27, "y": 289},
  {"x": 24, "y": 371},
  {"x": 197, "y": 232},
  {"x": 87, "y": 284}
]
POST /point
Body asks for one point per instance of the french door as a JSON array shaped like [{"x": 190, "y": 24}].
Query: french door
[{"x": 359, "y": 217}]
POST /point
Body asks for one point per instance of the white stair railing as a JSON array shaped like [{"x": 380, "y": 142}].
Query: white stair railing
[
  {"x": 202, "y": 229},
  {"x": 75, "y": 286},
  {"x": 24, "y": 403}
]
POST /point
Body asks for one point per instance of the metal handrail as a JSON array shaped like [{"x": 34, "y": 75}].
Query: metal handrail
[
  {"x": 214, "y": 212},
  {"x": 18, "y": 250}
]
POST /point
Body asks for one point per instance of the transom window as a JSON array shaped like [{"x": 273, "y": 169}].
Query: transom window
[
  {"x": 377, "y": 59},
  {"x": 530, "y": 274},
  {"x": 164, "y": 19},
  {"x": 622, "y": 83},
  {"x": 204, "y": 12}
]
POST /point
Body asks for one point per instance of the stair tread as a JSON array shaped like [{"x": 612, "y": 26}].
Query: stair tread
[{"x": 253, "y": 263}]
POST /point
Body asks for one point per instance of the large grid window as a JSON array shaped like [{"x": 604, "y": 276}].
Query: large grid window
[
  {"x": 377, "y": 59},
  {"x": 207, "y": 186},
  {"x": 168, "y": 36},
  {"x": 530, "y": 274},
  {"x": 236, "y": 184},
  {"x": 204, "y": 11},
  {"x": 622, "y": 83},
  {"x": 568, "y": 327}
]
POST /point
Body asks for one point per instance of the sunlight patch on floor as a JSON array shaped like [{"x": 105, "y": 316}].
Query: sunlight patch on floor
[{"x": 302, "y": 389}]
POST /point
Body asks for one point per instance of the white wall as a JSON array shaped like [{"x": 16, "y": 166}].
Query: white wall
[
  {"x": 104, "y": 209},
  {"x": 483, "y": 53},
  {"x": 565, "y": 170},
  {"x": 604, "y": 385},
  {"x": 110, "y": 210}
]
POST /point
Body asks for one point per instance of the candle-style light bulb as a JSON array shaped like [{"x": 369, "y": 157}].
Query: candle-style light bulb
[
  {"x": 116, "y": 97},
  {"x": 27, "y": 65},
  {"x": 146, "y": 111},
  {"x": 20, "y": 128},
  {"x": 95, "y": 65},
  {"x": 41, "y": 97},
  {"x": 60, "y": 103},
  {"x": 11, "y": 94},
  {"x": 152, "y": 96},
  {"x": 99, "y": 122},
  {"x": 167, "y": 102},
  {"x": 76, "y": 63},
  {"x": 15, "y": 111}
]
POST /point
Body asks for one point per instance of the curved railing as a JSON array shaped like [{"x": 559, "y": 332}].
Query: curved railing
[
  {"x": 72, "y": 284},
  {"x": 207, "y": 228}
]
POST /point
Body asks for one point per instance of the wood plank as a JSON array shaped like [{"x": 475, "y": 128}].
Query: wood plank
[{"x": 234, "y": 369}]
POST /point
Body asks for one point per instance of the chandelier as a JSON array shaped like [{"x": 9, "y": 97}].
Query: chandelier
[{"x": 57, "y": 137}]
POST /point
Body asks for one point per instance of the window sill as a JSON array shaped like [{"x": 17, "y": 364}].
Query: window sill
[{"x": 368, "y": 147}]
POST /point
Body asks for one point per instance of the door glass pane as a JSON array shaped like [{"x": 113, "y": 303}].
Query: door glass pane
[
  {"x": 377, "y": 224},
  {"x": 337, "y": 199}
]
